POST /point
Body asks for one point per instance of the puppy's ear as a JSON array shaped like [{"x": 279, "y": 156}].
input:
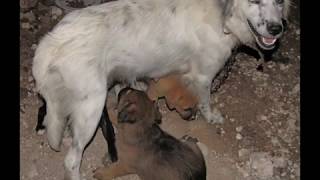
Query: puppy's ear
[
  {"x": 127, "y": 113},
  {"x": 124, "y": 91},
  {"x": 157, "y": 114}
]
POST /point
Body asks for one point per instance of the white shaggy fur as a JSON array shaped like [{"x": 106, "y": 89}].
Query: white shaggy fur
[{"x": 126, "y": 40}]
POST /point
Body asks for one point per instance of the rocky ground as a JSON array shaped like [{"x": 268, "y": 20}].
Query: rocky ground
[{"x": 261, "y": 107}]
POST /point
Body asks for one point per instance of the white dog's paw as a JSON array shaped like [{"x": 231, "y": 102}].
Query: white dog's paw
[
  {"x": 41, "y": 132},
  {"x": 106, "y": 160},
  {"x": 115, "y": 130},
  {"x": 215, "y": 117}
]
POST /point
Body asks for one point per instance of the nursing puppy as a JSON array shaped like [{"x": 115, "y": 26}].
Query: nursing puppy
[
  {"x": 92, "y": 48},
  {"x": 144, "y": 149},
  {"x": 176, "y": 94}
]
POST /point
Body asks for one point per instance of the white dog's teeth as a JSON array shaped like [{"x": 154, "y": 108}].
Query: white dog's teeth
[{"x": 269, "y": 41}]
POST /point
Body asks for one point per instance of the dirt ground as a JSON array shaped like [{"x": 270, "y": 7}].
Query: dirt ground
[{"x": 258, "y": 140}]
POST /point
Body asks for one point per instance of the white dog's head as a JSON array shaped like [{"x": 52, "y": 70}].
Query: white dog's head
[{"x": 264, "y": 18}]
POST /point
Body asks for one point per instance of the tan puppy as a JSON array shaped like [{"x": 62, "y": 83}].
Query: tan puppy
[{"x": 176, "y": 94}]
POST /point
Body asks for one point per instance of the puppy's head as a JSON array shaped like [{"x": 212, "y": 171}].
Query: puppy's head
[{"x": 135, "y": 107}]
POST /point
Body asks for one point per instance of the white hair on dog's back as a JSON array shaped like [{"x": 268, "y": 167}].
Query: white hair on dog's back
[{"x": 125, "y": 40}]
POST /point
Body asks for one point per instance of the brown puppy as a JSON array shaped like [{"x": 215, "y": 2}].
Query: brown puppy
[
  {"x": 176, "y": 94},
  {"x": 144, "y": 149}
]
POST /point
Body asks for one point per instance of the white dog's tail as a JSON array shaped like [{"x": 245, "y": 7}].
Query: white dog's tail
[{"x": 43, "y": 56}]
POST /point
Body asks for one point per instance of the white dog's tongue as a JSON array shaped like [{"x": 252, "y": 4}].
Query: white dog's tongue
[{"x": 269, "y": 41}]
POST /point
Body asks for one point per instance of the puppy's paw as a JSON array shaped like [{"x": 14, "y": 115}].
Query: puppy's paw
[
  {"x": 189, "y": 138},
  {"x": 99, "y": 173}
]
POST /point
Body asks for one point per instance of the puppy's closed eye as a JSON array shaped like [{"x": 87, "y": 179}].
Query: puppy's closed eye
[{"x": 127, "y": 113}]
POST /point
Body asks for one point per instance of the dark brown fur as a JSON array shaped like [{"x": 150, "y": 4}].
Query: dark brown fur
[{"x": 144, "y": 149}]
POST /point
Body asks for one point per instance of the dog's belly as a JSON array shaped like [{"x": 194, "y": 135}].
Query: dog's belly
[{"x": 147, "y": 64}]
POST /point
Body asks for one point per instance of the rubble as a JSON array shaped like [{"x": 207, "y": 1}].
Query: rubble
[
  {"x": 27, "y": 4},
  {"x": 56, "y": 12},
  {"x": 238, "y": 136}
]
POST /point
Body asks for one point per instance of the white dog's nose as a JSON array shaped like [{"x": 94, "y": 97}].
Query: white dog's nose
[{"x": 274, "y": 28}]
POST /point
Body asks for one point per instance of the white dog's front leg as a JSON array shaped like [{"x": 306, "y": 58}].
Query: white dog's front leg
[{"x": 202, "y": 85}]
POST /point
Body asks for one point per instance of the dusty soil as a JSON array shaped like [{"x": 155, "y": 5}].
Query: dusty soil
[{"x": 259, "y": 139}]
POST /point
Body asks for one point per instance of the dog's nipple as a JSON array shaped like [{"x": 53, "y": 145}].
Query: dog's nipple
[{"x": 226, "y": 31}]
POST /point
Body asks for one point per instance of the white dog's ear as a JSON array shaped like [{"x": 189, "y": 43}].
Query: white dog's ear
[{"x": 286, "y": 9}]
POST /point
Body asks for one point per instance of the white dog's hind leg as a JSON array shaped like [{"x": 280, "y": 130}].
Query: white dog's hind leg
[
  {"x": 55, "y": 123},
  {"x": 85, "y": 120}
]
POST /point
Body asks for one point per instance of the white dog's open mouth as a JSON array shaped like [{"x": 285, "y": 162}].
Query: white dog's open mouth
[{"x": 263, "y": 42}]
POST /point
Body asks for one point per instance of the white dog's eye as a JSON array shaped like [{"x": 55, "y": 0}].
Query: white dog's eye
[
  {"x": 279, "y": 1},
  {"x": 254, "y": 1}
]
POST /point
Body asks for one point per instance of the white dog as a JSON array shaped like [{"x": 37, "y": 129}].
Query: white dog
[{"x": 92, "y": 48}]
